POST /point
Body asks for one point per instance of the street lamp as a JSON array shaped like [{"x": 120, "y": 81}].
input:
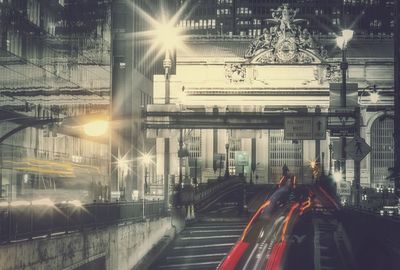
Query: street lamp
[
  {"x": 227, "y": 161},
  {"x": 342, "y": 42},
  {"x": 330, "y": 158},
  {"x": 373, "y": 95},
  {"x": 168, "y": 37},
  {"x": 123, "y": 169},
  {"x": 146, "y": 159},
  {"x": 96, "y": 128}
]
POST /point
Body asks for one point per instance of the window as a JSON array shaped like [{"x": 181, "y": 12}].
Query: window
[
  {"x": 382, "y": 156},
  {"x": 284, "y": 152}
]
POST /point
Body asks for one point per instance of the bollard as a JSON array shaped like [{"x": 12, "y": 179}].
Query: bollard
[
  {"x": 187, "y": 207},
  {"x": 192, "y": 212}
]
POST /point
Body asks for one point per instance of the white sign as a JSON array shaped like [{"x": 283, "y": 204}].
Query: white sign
[
  {"x": 305, "y": 128},
  {"x": 344, "y": 189},
  {"x": 357, "y": 149},
  {"x": 241, "y": 158}
]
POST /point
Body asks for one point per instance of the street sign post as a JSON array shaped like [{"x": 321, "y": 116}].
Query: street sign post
[
  {"x": 358, "y": 149},
  {"x": 305, "y": 128}
]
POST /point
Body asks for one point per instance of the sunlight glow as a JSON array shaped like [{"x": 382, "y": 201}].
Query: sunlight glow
[
  {"x": 96, "y": 128},
  {"x": 146, "y": 158},
  {"x": 163, "y": 35},
  {"x": 167, "y": 36},
  {"x": 374, "y": 96},
  {"x": 344, "y": 39},
  {"x": 337, "y": 176},
  {"x": 43, "y": 202}
]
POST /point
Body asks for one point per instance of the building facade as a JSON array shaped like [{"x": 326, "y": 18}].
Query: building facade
[
  {"x": 51, "y": 70},
  {"x": 285, "y": 69}
]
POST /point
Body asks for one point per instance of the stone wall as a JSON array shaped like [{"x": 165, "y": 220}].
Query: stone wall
[{"x": 115, "y": 247}]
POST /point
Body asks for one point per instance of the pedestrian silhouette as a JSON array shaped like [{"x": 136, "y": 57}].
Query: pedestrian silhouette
[{"x": 285, "y": 170}]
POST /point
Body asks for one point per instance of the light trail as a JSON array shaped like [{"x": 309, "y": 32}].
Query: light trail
[
  {"x": 288, "y": 217},
  {"x": 276, "y": 256},
  {"x": 265, "y": 204},
  {"x": 305, "y": 205},
  {"x": 234, "y": 256},
  {"x": 280, "y": 181}
]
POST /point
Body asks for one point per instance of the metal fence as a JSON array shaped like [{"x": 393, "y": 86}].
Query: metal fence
[{"x": 18, "y": 222}]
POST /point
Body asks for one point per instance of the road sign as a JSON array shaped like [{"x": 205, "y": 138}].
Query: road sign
[
  {"x": 241, "y": 158},
  {"x": 344, "y": 188},
  {"x": 305, "y": 128},
  {"x": 319, "y": 128},
  {"x": 357, "y": 149}
]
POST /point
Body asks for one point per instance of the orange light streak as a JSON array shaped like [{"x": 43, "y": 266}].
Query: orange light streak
[
  {"x": 265, "y": 204},
  {"x": 288, "y": 217},
  {"x": 305, "y": 205},
  {"x": 280, "y": 181}
]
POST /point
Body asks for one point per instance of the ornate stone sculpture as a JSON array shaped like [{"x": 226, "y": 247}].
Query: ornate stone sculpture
[
  {"x": 285, "y": 42},
  {"x": 235, "y": 72}
]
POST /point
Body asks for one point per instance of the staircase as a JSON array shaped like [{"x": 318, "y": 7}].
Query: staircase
[{"x": 201, "y": 245}]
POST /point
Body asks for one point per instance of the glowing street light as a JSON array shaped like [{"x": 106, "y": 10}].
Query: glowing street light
[
  {"x": 344, "y": 39},
  {"x": 96, "y": 128},
  {"x": 168, "y": 36},
  {"x": 374, "y": 96},
  {"x": 146, "y": 159},
  {"x": 342, "y": 42}
]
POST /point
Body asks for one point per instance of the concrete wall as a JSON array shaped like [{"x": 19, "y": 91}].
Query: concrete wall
[{"x": 122, "y": 247}]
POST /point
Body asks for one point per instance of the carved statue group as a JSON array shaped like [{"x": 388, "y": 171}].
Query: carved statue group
[{"x": 285, "y": 38}]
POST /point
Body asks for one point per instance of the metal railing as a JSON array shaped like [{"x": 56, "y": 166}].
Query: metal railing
[
  {"x": 214, "y": 189},
  {"x": 27, "y": 221},
  {"x": 380, "y": 213}
]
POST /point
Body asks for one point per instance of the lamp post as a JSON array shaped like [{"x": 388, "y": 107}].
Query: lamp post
[
  {"x": 227, "y": 161},
  {"x": 180, "y": 155},
  {"x": 168, "y": 37},
  {"x": 342, "y": 42},
  {"x": 330, "y": 159},
  {"x": 146, "y": 158}
]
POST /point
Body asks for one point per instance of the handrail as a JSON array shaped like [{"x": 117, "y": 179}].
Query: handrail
[{"x": 24, "y": 222}]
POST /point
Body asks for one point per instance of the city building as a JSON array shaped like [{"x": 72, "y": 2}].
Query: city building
[
  {"x": 50, "y": 70},
  {"x": 326, "y": 17},
  {"x": 285, "y": 69}
]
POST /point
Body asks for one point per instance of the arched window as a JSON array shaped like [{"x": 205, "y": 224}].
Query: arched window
[{"x": 382, "y": 154}]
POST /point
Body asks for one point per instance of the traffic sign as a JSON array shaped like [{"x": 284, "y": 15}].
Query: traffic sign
[
  {"x": 357, "y": 149},
  {"x": 344, "y": 188},
  {"x": 241, "y": 158},
  {"x": 319, "y": 128},
  {"x": 305, "y": 128}
]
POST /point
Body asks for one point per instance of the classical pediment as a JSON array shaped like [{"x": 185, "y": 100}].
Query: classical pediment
[{"x": 285, "y": 42}]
